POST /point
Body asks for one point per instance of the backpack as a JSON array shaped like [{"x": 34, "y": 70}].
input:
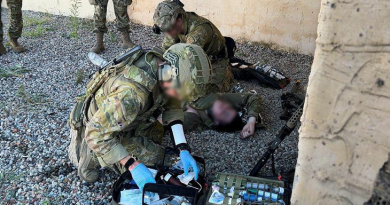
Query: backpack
[{"x": 194, "y": 193}]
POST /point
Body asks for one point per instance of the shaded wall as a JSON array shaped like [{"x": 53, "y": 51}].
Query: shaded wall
[{"x": 286, "y": 24}]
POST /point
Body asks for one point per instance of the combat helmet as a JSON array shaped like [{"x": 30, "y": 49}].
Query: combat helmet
[
  {"x": 166, "y": 14},
  {"x": 186, "y": 66}
]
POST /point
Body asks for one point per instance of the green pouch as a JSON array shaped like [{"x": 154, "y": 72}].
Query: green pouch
[{"x": 77, "y": 115}]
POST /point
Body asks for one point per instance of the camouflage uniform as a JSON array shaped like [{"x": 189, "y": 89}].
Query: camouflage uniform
[
  {"x": 121, "y": 116},
  {"x": 202, "y": 32},
  {"x": 251, "y": 103},
  {"x": 122, "y": 18},
  {"x": 16, "y": 20}
]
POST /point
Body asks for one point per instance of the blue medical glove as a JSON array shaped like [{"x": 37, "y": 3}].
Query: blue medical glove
[
  {"x": 142, "y": 175},
  {"x": 188, "y": 160}
]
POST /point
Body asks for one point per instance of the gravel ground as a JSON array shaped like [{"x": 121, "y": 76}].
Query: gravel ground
[{"x": 34, "y": 168}]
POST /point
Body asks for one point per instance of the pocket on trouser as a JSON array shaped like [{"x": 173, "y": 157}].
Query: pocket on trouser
[
  {"x": 151, "y": 130},
  {"x": 76, "y": 138},
  {"x": 123, "y": 2}
]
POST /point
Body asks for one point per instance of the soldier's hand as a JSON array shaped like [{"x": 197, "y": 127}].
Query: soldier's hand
[
  {"x": 188, "y": 161},
  {"x": 141, "y": 175},
  {"x": 249, "y": 128}
]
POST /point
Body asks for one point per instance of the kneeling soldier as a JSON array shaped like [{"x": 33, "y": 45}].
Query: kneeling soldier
[
  {"x": 180, "y": 26},
  {"x": 119, "y": 129}
]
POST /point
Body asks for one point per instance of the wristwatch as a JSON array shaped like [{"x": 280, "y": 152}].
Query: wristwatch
[
  {"x": 130, "y": 161},
  {"x": 183, "y": 146}
]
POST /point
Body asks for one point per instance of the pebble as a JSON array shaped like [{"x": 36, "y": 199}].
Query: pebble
[{"x": 34, "y": 138}]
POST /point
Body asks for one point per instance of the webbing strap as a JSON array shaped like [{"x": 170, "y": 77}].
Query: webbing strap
[
  {"x": 230, "y": 182},
  {"x": 222, "y": 178},
  {"x": 237, "y": 187},
  {"x": 238, "y": 182}
]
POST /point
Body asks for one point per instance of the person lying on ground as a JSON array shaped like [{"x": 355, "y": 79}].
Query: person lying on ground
[{"x": 224, "y": 112}]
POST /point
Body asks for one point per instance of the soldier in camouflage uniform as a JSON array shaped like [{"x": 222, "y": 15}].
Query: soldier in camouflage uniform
[
  {"x": 180, "y": 26},
  {"x": 116, "y": 121},
  {"x": 15, "y": 28},
  {"x": 220, "y": 112},
  {"x": 122, "y": 21}
]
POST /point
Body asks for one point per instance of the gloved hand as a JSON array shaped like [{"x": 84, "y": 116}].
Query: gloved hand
[
  {"x": 188, "y": 160},
  {"x": 142, "y": 175}
]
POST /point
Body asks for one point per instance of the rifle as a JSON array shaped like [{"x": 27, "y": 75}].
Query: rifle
[
  {"x": 283, "y": 133},
  {"x": 99, "y": 61}
]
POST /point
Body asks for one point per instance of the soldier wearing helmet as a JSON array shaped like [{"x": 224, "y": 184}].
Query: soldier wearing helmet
[
  {"x": 180, "y": 26},
  {"x": 187, "y": 27},
  {"x": 119, "y": 129}
]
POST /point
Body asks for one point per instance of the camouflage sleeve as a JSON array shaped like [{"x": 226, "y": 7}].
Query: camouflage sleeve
[
  {"x": 250, "y": 102},
  {"x": 201, "y": 35},
  {"x": 168, "y": 42},
  {"x": 172, "y": 111},
  {"x": 114, "y": 114},
  {"x": 192, "y": 121}
]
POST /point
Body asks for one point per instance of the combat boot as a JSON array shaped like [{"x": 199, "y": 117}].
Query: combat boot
[
  {"x": 99, "y": 46},
  {"x": 2, "y": 49},
  {"x": 88, "y": 168},
  {"x": 16, "y": 46},
  {"x": 126, "y": 42}
]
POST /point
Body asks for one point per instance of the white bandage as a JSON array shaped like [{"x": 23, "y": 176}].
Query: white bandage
[{"x": 178, "y": 134}]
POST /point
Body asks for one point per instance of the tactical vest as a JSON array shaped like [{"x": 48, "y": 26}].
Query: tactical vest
[
  {"x": 217, "y": 42},
  {"x": 140, "y": 63}
]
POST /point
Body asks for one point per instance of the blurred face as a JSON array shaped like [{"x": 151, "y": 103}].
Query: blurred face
[
  {"x": 168, "y": 90},
  {"x": 176, "y": 28},
  {"x": 222, "y": 112}
]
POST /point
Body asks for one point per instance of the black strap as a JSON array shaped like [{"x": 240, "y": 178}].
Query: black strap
[
  {"x": 129, "y": 163},
  {"x": 273, "y": 164}
]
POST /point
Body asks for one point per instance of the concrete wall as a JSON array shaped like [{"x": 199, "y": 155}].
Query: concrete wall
[
  {"x": 344, "y": 136},
  {"x": 287, "y": 24}
]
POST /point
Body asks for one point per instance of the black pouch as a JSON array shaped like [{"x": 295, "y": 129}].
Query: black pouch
[
  {"x": 170, "y": 192},
  {"x": 230, "y": 46},
  {"x": 196, "y": 193}
]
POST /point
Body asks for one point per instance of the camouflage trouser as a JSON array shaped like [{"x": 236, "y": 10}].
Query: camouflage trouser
[
  {"x": 122, "y": 18},
  {"x": 144, "y": 142},
  {"x": 16, "y": 20}
]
